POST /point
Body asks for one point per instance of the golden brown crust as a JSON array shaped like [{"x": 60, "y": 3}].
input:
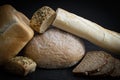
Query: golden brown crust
[{"x": 14, "y": 32}]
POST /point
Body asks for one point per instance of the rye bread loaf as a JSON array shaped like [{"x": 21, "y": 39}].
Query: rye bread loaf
[
  {"x": 20, "y": 65},
  {"x": 14, "y": 32},
  {"x": 92, "y": 62},
  {"x": 116, "y": 71},
  {"x": 55, "y": 49},
  {"x": 107, "y": 68},
  {"x": 42, "y": 19}
]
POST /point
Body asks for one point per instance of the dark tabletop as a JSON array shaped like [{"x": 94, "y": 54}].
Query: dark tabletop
[{"x": 104, "y": 12}]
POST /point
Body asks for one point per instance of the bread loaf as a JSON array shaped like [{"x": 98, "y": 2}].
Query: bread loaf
[
  {"x": 88, "y": 30},
  {"x": 55, "y": 49},
  {"x": 14, "y": 32},
  {"x": 98, "y": 63},
  {"x": 20, "y": 66},
  {"x": 116, "y": 71},
  {"x": 107, "y": 68},
  {"x": 92, "y": 62}
]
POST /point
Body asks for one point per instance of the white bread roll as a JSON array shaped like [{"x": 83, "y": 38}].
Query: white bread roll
[
  {"x": 14, "y": 32},
  {"x": 55, "y": 49}
]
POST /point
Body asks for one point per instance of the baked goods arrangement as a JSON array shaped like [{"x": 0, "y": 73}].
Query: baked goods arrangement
[{"x": 51, "y": 40}]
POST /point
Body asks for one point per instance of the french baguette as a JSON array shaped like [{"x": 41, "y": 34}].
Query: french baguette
[{"x": 88, "y": 30}]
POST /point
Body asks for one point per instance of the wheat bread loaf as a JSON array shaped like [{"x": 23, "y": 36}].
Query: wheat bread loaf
[
  {"x": 107, "y": 68},
  {"x": 116, "y": 71},
  {"x": 92, "y": 62},
  {"x": 55, "y": 49}
]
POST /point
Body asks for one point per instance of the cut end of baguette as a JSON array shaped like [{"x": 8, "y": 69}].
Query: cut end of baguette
[{"x": 42, "y": 19}]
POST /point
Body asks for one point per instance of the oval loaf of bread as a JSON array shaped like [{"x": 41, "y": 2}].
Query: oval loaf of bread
[{"x": 55, "y": 49}]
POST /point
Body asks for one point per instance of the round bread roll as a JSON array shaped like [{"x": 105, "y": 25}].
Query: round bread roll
[{"x": 55, "y": 49}]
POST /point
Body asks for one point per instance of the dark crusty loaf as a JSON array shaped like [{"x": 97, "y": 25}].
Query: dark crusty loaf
[
  {"x": 116, "y": 71},
  {"x": 42, "y": 19},
  {"x": 92, "y": 62},
  {"x": 92, "y": 65},
  {"x": 107, "y": 68},
  {"x": 20, "y": 65}
]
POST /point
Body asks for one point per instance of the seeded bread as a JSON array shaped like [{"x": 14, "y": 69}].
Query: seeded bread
[
  {"x": 55, "y": 49},
  {"x": 92, "y": 62},
  {"x": 20, "y": 65},
  {"x": 42, "y": 19},
  {"x": 14, "y": 32}
]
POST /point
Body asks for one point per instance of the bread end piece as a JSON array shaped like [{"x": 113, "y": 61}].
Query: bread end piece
[
  {"x": 42, "y": 19},
  {"x": 20, "y": 65}
]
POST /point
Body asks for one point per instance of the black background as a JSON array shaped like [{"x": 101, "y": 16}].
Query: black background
[{"x": 103, "y": 12}]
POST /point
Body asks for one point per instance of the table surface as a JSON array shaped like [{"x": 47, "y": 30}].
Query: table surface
[{"x": 103, "y": 13}]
